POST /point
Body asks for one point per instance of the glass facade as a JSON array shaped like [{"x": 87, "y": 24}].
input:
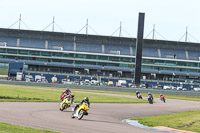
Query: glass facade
[{"x": 53, "y": 56}]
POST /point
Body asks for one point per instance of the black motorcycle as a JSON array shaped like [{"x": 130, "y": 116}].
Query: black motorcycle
[
  {"x": 150, "y": 99},
  {"x": 139, "y": 96}
]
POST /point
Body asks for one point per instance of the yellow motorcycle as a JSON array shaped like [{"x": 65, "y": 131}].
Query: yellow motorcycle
[
  {"x": 66, "y": 103},
  {"x": 81, "y": 111}
]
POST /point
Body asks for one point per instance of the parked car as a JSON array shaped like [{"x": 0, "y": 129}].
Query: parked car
[
  {"x": 42, "y": 81},
  {"x": 87, "y": 82},
  {"x": 181, "y": 88},
  {"x": 197, "y": 89},
  {"x": 121, "y": 83},
  {"x": 29, "y": 78},
  {"x": 95, "y": 82},
  {"x": 110, "y": 83},
  {"x": 66, "y": 81},
  {"x": 54, "y": 79},
  {"x": 76, "y": 82},
  {"x": 168, "y": 87},
  {"x": 142, "y": 86}
]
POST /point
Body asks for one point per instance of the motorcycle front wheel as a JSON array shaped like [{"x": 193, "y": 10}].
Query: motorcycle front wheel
[
  {"x": 63, "y": 107},
  {"x": 80, "y": 114},
  {"x": 163, "y": 100},
  {"x": 150, "y": 101}
]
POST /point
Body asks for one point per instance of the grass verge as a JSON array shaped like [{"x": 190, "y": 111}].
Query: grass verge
[
  {"x": 8, "y": 128},
  {"x": 189, "y": 121},
  {"x": 178, "y": 97},
  {"x": 3, "y": 71},
  {"x": 32, "y": 94}
]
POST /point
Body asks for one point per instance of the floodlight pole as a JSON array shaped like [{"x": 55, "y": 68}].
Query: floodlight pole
[
  {"x": 153, "y": 32},
  {"x": 53, "y": 24},
  {"x": 120, "y": 29},
  {"x": 87, "y": 27},
  {"x": 186, "y": 34},
  {"x": 19, "y": 21}
]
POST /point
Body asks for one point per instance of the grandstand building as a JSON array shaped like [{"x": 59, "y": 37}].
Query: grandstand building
[{"x": 68, "y": 53}]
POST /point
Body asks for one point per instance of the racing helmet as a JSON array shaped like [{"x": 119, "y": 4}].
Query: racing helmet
[
  {"x": 161, "y": 94},
  {"x": 67, "y": 89},
  {"x": 86, "y": 99},
  {"x": 149, "y": 93}
]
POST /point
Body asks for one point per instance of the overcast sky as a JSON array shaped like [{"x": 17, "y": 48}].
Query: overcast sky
[{"x": 171, "y": 17}]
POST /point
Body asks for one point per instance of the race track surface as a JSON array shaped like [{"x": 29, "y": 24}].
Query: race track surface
[{"x": 102, "y": 118}]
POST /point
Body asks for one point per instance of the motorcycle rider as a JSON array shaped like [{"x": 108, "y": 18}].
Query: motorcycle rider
[
  {"x": 66, "y": 93},
  {"x": 137, "y": 93},
  {"x": 150, "y": 98},
  {"x": 150, "y": 95},
  {"x": 86, "y": 100},
  {"x": 161, "y": 96}
]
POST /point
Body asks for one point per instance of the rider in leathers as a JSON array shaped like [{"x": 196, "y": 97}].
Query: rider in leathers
[
  {"x": 66, "y": 93},
  {"x": 137, "y": 93},
  {"x": 86, "y": 100}
]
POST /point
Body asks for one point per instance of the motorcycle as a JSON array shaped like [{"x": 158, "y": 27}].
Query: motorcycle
[
  {"x": 139, "y": 96},
  {"x": 66, "y": 103},
  {"x": 162, "y": 98},
  {"x": 81, "y": 111},
  {"x": 150, "y": 99}
]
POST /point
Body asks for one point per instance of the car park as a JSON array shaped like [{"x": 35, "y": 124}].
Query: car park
[
  {"x": 168, "y": 87},
  {"x": 197, "y": 89},
  {"x": 181, "y": 88}
]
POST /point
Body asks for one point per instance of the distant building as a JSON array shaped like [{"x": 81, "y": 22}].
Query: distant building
[{"x": 55, "y": 52}]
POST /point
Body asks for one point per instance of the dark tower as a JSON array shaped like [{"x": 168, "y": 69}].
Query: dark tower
[{"x": 139, "y": 43}]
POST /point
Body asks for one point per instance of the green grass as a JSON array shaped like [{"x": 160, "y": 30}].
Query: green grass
[
  {"x": 8, "y": 128},
  {"x": 189, "y": 98},
  {"x": 189, "y": 121},
  {"x": 20, "y": 93},
  {"x": 48, "y": 97},
  {"x": 3, "y": 71},
  {"x": 178, "y": 97},
  {"x": 31, "y": 94}
]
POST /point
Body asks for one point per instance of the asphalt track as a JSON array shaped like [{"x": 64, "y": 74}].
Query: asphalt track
[{"x": 102, "y": 118}]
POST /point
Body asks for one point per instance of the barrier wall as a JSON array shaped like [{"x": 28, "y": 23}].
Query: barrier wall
[{"x": 104, "y": 88}]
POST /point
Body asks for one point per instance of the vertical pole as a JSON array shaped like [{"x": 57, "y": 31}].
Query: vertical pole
[
  {"x": 53, "y": 25},
  {"x": 102, "y": 48},
  {"x": 87, "y": 27},
  {"x": 186, "y": 34},
  {"x": 74, "y": 43},
  {"x": 120, "y": 29},
  {"x": 19, "y": 21},
  {"x": 153, "y": 32},
  {"x": 139, "y": 43},
  {"x": 18, "y": 42},
  {"x": 46, "y": 44}
]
